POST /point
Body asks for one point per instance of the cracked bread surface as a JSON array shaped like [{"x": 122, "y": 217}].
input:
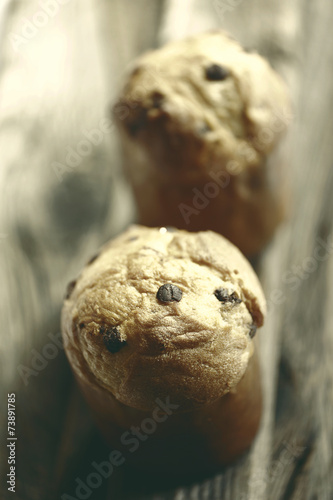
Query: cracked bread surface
[
  {"x": 194, "y": 347},
  {"x": 172, "y": 82}
]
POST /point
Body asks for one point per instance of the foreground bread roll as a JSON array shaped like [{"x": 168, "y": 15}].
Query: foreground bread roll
[
  {"x": 159, "y": 330},
  {"x": 199, "y": 120}
]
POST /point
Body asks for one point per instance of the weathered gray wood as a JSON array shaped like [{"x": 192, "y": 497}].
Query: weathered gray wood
[{"x": 55, "y": 90}]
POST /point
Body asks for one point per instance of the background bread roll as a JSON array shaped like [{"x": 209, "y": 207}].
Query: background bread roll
[{"x": 199, "y": 120}]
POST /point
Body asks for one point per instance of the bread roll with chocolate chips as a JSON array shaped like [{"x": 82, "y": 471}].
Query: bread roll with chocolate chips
[
  {"x": 159, "y": 331},
  {"x": 200, "y": 120}
]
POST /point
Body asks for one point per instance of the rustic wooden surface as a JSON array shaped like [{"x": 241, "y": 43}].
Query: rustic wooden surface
[{"x": 56, "y": 85}]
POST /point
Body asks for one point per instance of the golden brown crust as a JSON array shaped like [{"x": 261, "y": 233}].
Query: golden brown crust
[
  {"x": 183, "y": 133},
  {"x": 195, "y": 349},
  {"x": 183, "y": 443}
]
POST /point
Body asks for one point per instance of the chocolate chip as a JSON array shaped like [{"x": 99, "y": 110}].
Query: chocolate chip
[
  {"x": 248, "y": 50},
  {"x": 111, "y": 338},
  {"x": 157, "y": 99},
  {"x": 70, "y": 288},
  {"x": 136, "y": 71},
  {"x": 215, "y": 73},
  {"x": 253, "y": 330},
  {"x": 223, "y": 295},
  {"x": 204, "y": 128},
  {"x": 93, "y": 258},
  {"x": 82, "y": 325},
  {"x": 138, "y": 123},
  {"x": 169, "y": 293}
]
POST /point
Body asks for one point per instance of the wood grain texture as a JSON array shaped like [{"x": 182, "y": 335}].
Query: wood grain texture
[{"x": 60, "y": 199}]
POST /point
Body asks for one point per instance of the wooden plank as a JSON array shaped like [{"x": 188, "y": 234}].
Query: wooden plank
[
  {"x": 55, "y": 90},
  {"x": 280, "y": 461},
  {"x": 62, "y": 195}
]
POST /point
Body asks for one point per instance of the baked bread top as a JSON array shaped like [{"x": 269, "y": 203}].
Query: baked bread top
[
  {"x": 163, "y": 313},
  {"x": 202, "y": 103}
]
